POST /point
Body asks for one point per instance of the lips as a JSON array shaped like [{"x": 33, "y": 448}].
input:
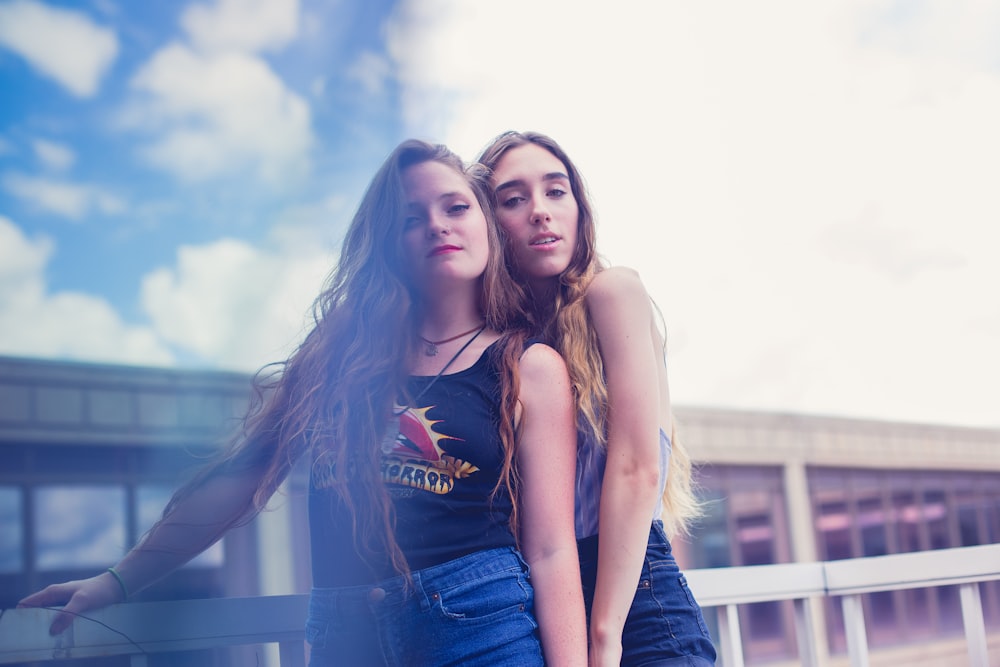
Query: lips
[
  {"x": 543, "y": 239},
  {"x": 442, "y": 250}
]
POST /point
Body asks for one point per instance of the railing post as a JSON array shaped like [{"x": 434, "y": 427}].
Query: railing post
[
  {"x": 805, "y": 632},
  {"x": 854, "y": 626},
  {"x": 975, "y": 628},
  {"x": 729, "y": 635}
]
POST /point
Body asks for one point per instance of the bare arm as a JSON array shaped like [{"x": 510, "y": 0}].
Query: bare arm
[
  {"x": 191, "y": 527},
  {"x": 546, "y": 459},
  {"x": 622, "y": 315}
]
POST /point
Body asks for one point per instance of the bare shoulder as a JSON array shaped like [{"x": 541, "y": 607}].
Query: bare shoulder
[
  {"x": 540, "y": 360},
  {"x": 614, "y": 284},
  {"x": 615, "y": 289}
]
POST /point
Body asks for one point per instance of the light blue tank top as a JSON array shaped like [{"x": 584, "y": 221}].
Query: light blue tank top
[{"x": 591, "y": 459}]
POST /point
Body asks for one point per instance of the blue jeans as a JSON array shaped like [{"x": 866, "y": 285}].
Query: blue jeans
[
  {"x": 474, "y": 610},
  {"x": 664, "y": 626}
]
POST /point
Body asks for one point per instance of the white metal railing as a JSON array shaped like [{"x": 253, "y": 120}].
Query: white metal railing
[
  {"x": 141, "y": 628},
  {"x": 138, "y": 629},
  {"x": 725, "y": 588}
]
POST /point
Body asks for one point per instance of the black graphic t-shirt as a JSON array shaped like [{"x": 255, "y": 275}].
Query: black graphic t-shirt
[{"x": 441, "y": 460}]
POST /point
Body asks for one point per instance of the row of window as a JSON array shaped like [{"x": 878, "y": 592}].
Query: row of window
[
  {"x": 51, "y": 528},
  {"x": 855, "y": 513},
  {"x": 78, "y": 527}
]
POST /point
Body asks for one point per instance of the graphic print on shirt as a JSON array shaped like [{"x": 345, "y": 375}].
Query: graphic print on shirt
[{"x": 413, "y": 458}]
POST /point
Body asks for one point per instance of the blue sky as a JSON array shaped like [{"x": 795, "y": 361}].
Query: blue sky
[{"x": 809, "y": 191}]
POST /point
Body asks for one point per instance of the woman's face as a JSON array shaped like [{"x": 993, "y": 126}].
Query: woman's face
[
  {"x": 536, "y": 207},
  {"x": 444, "y": 230}
]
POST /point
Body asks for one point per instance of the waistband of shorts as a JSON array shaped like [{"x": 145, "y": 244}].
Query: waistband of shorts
[
  {"x": 471, "y": 566},
  {"x": 587, "y": 546}
]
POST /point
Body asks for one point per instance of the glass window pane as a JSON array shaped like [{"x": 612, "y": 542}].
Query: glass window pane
[
  {"x": 834, "y": 523},
  {"x": 79, "y": 527},
  {"x": 871, "y": 521},
  {"x": 881, "y": 609},
  {"x": 950, "y": 610},
  {"x": 756, "y": 539},
  {"x": 936, "y": 516},
  {"x": 11, "y": 533},
  {"x": 907, "y": 515},
  {"x": 868, "y": 513},
  {"x": 151, "y": 500}
]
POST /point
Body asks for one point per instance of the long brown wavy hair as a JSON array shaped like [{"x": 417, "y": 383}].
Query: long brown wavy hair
[
  {"x": 332, "y": 397},
  {"x": 565, "y": 322}
]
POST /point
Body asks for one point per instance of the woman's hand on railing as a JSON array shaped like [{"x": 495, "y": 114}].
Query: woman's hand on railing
[{"x": 78, "y": 597}]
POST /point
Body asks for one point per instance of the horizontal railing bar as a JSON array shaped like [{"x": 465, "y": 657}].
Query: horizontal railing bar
[
  {"x": 918, "y": 569},
  {"x": 756, "y": 583},
  {"x": 789, "y": 581},
  {"x": 151, "y": 627}
]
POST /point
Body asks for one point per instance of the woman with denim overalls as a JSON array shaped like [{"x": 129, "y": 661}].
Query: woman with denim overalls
[{"x": 631, "y": 469}]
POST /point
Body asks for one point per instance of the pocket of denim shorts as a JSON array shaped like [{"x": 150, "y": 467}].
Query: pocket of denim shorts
[
  {"x": 489, "y": 597},
  {"x": 694, "y": 604},
  {"x": 316, "y": 632}
]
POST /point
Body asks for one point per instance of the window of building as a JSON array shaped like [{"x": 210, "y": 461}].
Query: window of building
[
  {"x": 871, "y": 513},
  {"x": 856, "y": 513},
  {"x": 11, "y": 533},
  {"x": 79, "y": 526},
  {"x": 68, "y": 514},
  {"x": 745, "y": 524},
  {"x": 150, "y": 501}
]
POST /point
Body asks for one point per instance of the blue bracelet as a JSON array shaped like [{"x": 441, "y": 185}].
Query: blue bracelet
[{"x": 121, "y": 582}]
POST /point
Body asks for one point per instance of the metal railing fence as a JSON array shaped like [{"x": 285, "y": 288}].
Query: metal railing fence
[{"x": 143, "y": 628}]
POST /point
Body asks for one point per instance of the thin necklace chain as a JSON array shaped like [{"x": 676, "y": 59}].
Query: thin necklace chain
[
  {"x": 423, "y": 391},
  {"x": 432, "y": 345}
]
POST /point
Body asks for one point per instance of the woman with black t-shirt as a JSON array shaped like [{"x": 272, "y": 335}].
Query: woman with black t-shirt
[{"x": 441, "y": 442}]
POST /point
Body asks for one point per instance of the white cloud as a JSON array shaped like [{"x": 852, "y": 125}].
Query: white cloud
[
  {"x": 963, "y": 32},
  {"x": 242, "y": 25},
  {"x": 812, "y": 204},
  {"x": 371, "y": 70},
  {"x": 220, "y": 114},
  {"x": 227, "y": 303},
  {"x": 36, "y": 322},
  {"x": 63, "y": 44},
  {"x": 71, "y": 200},
  {"x": 234, "y": 305},
  {"x": 54, "y": 155}
]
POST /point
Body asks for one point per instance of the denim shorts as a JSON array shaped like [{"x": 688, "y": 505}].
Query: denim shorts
[
  {"x": 665, "y": 626},
  {"x": 474, "y": 610}
]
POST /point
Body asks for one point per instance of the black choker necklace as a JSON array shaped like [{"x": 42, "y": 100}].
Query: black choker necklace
[
  {"x": 437, "y": 377},
  {"x": 432, "y": 345}
]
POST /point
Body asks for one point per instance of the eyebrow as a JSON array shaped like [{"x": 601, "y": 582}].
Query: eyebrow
[
  {"x": 441, "y": 197},
  {"x": 551, "y": 176}
]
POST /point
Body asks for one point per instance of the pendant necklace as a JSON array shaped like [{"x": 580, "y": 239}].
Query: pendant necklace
[
  {"x": 430, "y": 384},
  {"x": 432, "y": 345},
  {"x": 392, "y": 428}
]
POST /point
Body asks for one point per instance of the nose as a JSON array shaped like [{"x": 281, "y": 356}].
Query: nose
[
  {"x": 438, "y": 225},
  {"x": 539, "y": 213}
]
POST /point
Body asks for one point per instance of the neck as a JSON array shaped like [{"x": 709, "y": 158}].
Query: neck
[
  {"x": 542, "y": 293},
  {"x": 442, "y": 318}
]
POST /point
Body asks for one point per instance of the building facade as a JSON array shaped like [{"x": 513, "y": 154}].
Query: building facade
[
  {"x": 90, "y": 453},
  {"x": 793, "y": 488}
]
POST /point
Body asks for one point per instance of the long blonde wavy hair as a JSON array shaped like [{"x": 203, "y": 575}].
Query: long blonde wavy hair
[
  {"x": 565, "y": 322},
  {"x": 331, "y": 398}
]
